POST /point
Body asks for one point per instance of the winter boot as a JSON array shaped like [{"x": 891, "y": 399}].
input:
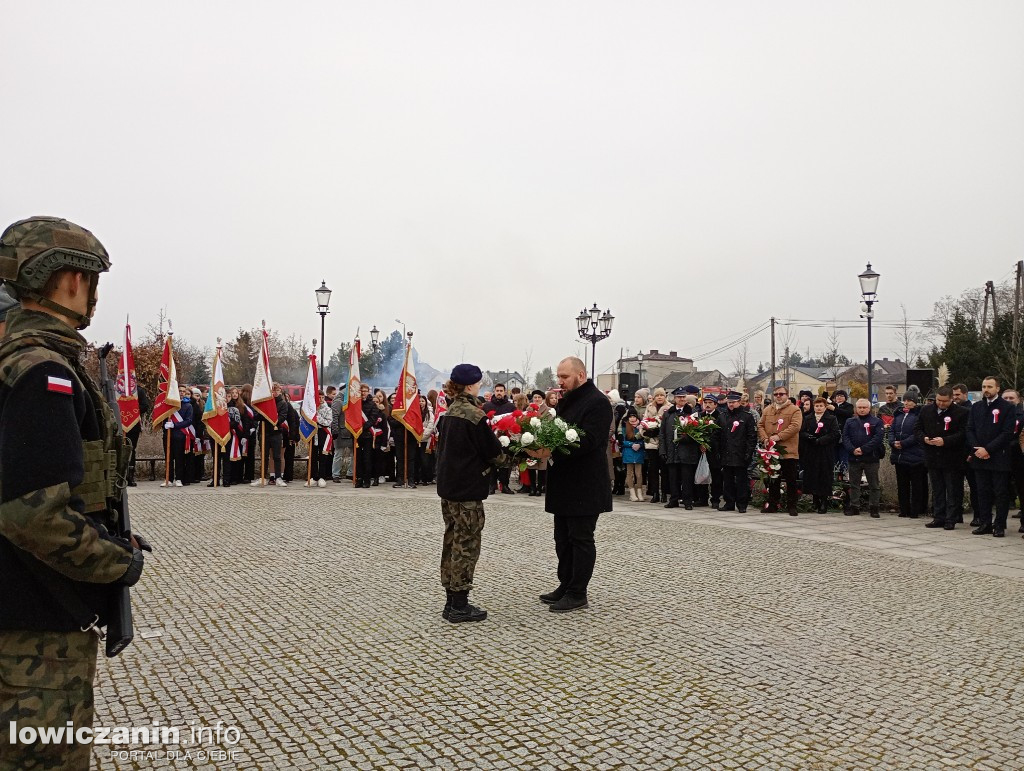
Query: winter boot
[
  {"x": 462, "y": 611},
  {"x": 447, "y": 603}
]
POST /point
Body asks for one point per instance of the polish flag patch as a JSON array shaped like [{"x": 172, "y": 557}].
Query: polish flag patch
[{"x": 60, "y": 385}]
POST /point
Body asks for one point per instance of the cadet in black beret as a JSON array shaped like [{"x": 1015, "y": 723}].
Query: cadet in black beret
[
  {"x": 690, "y": 389},
  {"x": 466, "y": 450}
]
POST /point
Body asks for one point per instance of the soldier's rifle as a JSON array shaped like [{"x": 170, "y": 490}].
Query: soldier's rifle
[{"x": 120, "y": 626}]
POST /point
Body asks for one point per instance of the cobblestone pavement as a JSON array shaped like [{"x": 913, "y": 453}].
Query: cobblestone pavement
[{"x": 310, "y": 619}]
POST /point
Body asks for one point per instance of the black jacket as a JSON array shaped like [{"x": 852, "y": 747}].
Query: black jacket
[
  {"x": 686, "y": 450},
  {"x": 952, "y": 455},
  {"x": 466, "y": 450},
  {"x": 818, "y": 453},
  {"x": 499, "y": 406},
  {"x": 714, "y": 453},
  {"x": 739, "y": 440},
  {"x": 993, "y": 432},
  {"x": 578, "y": 483},
  {"x": 842, "y": 413}
]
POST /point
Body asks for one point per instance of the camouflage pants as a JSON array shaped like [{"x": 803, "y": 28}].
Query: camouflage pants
[
  {"x": 463, "y": 524},
  {"x": 45, "y": 681}
]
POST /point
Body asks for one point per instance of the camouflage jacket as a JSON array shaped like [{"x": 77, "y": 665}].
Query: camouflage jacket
[
  {"x": 466, "y": 451},
  {"x": 60, "y": 461}
]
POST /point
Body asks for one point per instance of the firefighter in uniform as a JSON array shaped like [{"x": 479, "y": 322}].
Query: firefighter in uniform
[{"x": 62, "y": 462}]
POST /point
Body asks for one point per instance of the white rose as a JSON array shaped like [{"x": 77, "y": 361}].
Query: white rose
[
  {"x": 504, "y": 441},
  {"x": 571, "y": 435},
  {"x": 535, "y": 422},
  {"x": 526, "y": 439},
  {"x": 552, "y": 413},
  {"x": 561, "y": 424}
]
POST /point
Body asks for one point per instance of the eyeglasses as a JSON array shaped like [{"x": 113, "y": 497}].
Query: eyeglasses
[{"x": 780, "y": 393}]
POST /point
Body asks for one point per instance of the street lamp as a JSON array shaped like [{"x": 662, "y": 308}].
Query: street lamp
[
  {"x": 323, "y": 299},
  {"x": 868, "y": 292},
  {"x": 594, "y": 326},
  {"x": 640, "y": 370}
]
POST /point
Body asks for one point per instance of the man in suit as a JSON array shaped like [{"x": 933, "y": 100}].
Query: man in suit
[
  {"x": 579, "y": 485},
  {"x": 942, "y": 428},
  {"x": 989, "y": 436}
]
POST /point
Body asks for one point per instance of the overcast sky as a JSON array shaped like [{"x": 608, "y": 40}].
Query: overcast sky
[{"x": 483, "y": 170}]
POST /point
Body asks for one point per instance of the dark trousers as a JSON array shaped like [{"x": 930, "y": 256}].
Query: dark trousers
[
  {"x": 180, "y": 466},
  {"x": 249, "y": 460},
  {"x": 425, "y": 464},
  {"x": 619, "y": 476},
  {"x": 405, "y": 459},
  {"x": 274, "y": 450},
  {"x": 577, "y": 552},
  {"x": 947, "y": 495},
  {"x": 289, "y": 461},
  {"x": 1016, "y": 476},
  {"x": 655, "y": 473},
  {"x": 198, "y": 466},
  {"x": 364, "y": 462},
  {"x": 326, "y": 458},
  {"x": 225, "y": 466},
  {"x": 538, "y": 479},
  {"x": 736, "y": 486},
  {"x": 912, "y": 489},
  {"x": 993, "y": 490},
  {"x": 713, "y": 489},
  {"x": 973, "y": 487},
  {"x": 680, "y": 482},
  {"x": 788, "y": 474},
  {"x": 133, "y": 437}
]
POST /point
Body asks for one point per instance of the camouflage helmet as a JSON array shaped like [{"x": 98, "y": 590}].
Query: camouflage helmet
[{"x": 34, "y": 249}]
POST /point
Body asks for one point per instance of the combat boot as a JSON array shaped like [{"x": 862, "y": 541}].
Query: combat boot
[
  {"x": 462, "y": 611},
  {"x": 447, "y": 604}
]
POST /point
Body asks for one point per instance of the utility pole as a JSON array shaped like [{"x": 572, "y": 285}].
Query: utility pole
[
  {"x": 786, "y": 365},
  {"x": 1016, "y": 322},
  {"x": 772, "y": 386}
]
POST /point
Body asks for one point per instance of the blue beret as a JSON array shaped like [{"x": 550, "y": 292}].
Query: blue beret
[
  {"x": 691, "y": 389},
  {"x": 679, "y": 391},
  {"x": 466, "y": 374}
]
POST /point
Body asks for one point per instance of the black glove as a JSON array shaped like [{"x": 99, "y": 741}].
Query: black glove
[{"x": 144, "y": 545}]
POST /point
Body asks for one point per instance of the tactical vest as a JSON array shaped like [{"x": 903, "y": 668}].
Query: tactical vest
[{"x": 105, "y": 460}]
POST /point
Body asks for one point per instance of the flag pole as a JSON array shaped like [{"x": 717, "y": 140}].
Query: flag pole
[
  {"x": 309, "y": 457},
  {"x": 405, "y": 457},
  {"x": 167, "y": 459},
  {"x": 355, "y": 460},
  {"x": 216, "y": 452}
]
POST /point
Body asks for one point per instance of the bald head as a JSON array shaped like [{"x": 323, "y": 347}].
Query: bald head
[{"x": 572, "y": 373}]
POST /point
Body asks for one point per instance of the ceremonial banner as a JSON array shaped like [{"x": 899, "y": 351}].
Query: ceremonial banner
[
  {"x": 168, "y": 400},
  {"x": 262, "y": 395},
  {"x": 353, "y": 403},
  {"x": 440, "y": 408},
  {"x": 407, "y": 399},
  {"x": 215, "y": 411},
  {"x": 310, "y": 403},
  {"x": 127, "y": 387}
]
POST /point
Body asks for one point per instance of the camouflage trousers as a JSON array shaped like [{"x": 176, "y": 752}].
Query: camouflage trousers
[
  {"x": 45, "y": 681},
  {"x": 463, "y": 524}
]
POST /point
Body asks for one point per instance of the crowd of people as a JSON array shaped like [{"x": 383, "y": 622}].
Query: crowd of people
[{"x": 829, "y": 450}]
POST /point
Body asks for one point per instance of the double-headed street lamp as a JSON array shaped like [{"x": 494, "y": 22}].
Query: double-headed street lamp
[
  {"x": 594, "y": 326},
  {"x": 868, "y": 292},
  {"x": 323, "y": 299}
]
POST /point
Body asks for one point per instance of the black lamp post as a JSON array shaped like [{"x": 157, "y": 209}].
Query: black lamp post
[
  {"x": 323, "y": 299},
  {"x": 868, "y": 289},
  {"x": 594, "y": 326},
  {"x": 640, "y": 370}
]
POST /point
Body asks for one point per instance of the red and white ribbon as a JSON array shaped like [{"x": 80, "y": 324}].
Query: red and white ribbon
[
  {"x": 735, "y": 425},
  {"x": 947, "y": 420},
  {"x": 995, "y": 416},
  {"x": 867, "y": 428},
  {"x": 818, "y": 429}
]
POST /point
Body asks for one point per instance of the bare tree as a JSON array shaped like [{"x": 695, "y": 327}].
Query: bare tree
[
  {"x": 831, "y": 358},
  {"x": 527, "y": 365},
  {"x": 739, "y": 363},
  {"x": 906, "y": 337}
]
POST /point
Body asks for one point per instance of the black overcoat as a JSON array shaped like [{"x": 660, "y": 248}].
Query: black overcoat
[
  {"x": 818, "y": 454},
  {"x": 952, "y": 455},
  {"x": 738, "y": 443},
  {"x": 578, "y": 483}
]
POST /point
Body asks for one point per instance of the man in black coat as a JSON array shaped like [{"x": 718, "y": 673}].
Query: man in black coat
[
  {"x": 942, "y": 428},
  {"x": 739, "y": 438},
  {"x": 579, "y": 487},
  {"x": 989, "y": 436},
  {"x": 499, "y": 404},
  {"x": 712, "y": 491},
  {"x": 680, "y": 453}
]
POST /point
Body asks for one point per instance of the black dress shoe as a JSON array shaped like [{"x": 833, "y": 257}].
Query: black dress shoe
[
  {"x": 727, "y": 507},
  {"x": 742, "y": 510},
  {"x": 375, "y": 482},
  {"x": 672, "y": 505},
  {"x": 1020, "y": 529},
  {"x": 975, "y": 522},
  {"x": 949, "y": 526},
  {"x": 998, "y": 533},
  {"x": 506, "y": 491},
  {"x": 771, "y": 508},
  {"x": 793, "y": 513},
  {"x": 936, "y": 523},
  {"x": 567, "y": 603},
  {"x": 552, "y": 597},
  {"x": 688, "y": 506},
  {"x": 983, "y": 530}
]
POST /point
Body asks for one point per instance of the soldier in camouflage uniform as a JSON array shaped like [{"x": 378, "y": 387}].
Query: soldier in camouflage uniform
[
  {"x": 466, "y": 451},
  {"x": 61, "y": 463}
]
